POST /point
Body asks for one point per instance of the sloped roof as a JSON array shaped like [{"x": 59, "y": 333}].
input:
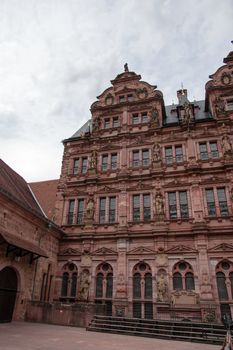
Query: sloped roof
[
  {"x": 17, "y": 189},
  {"x": 45, "y": 192}
]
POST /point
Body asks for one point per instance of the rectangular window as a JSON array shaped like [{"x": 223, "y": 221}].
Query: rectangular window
[
  {"x": 80, "y": 211},
  {"x": 203, "y": 151},
  {"x": 84, "y": 165},
  {"x": 104, "y": 162},
  {"x": 146, "y": 207},
  {"x": 230, "y": 105},
  {"x": 114, "y": 161},
  {"x": 136, "y": 161},
  {"x": 71, "y": 212},
  {"x": 115, "y": 122},
  {"x": 135, "y": 119},
  {"x": 168, "y": 155},
  {"x": 222, "y": 200},
  {"x": 214, "y": 149},
  {"x": 130, "y": 98},
  {"x": 144, "y": 117},
  {"x": 136, "y": 207},
  {"x": 179, "y": 154},
  {"x": 102, "y": 210},
  {"x": 121, "y": 99},
  {"x": 75, "y": 167},
  {"x": 107, "y": 123},
  {"x": 210, "y": 202},
  {"x": 172, "y": 205},
  {"x": 183, "y": 204},
  {"x": 145, "y": 157},
  {"x": 112, "y": 209}
]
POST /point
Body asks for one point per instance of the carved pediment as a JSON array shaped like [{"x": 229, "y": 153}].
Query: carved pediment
[
  {"x": 215, "y": 179},
  {"x": 181, "y": 249},
  {"x": 141, "y": 186},
  {"x": 176, "y": 183},
  {"x": 223, "y": 247},
  {"x": 108, "y": 189},
  {"x": 109, "y": 147},
  {"x": 75, "y": 192},
  {"x": 70, "y": 251},
  {"x": 141, "y": 250},
  {"x": 104, "y": 251}
]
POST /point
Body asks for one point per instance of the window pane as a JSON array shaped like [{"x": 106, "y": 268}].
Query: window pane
[
  {"x": 146, "y": 207},
  {"x": 210, "y": 202},
  {"x": 168, "y": 155},
  {"x": 64, "y": 287},
  {"x": 102, "y": 210},
  {"x": 179, "y": 154},
  {"x": 84, "y": 165},
  {"x": 214, "y": 149},
  {"x": 203, "y": 151},
  {"x": 130, "y": 98},
  {"x": 135, "y": 119},
  {"x": 145, "y": 157},
  {"x": 136, "y": 208},
  {"x": 136, "y": 286},
  {"x": 222, "y": 201},
  {"x": 71, "y": 212},
  {"x": 121, "y": 99},
  {"x": 80, "y": 211},
  {"x": 172, "y": 205},
  {"x": 75, "y": 168},
  {"x": 107, "y": 123},
  {"x": 109, "y": 285},
  {"x": 112, "y": 209},
  {"x": 183, "y": 204},
  {"x": 136, "y": 161},
  {"x": 115, "y": 122},
  {"x": 189, "y": 281},
  {"x": 144, "y": 117},
  {"x": 221, "y": 284},
  {"x": 231, "y": 280},
  {"x": 99, "y": 286},
  {"x": 73, "y": 285},
  {"x": 104, "y": 162},
  {"x": 177, "y": 281},
  {"x": 148, "y": 286},
  {"x": 114, "y": 161}
]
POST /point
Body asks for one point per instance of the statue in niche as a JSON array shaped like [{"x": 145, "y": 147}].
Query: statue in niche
[
  {"x": 90, "y": 209},
  {"x": 188, "y": 114},
  {"x": 96, "y": 124},
  {"x": 219, "y": 106},
  {"x": 156, "y": 153},
  {"x": 159, "y": 206},
  {"x": 93, "y": 161},
  {"x": 226, "y": 145},
  {"x": 84, "y": 285},
  {"x": 162, "y": 289},
  {"x": 154, "y": 116}
]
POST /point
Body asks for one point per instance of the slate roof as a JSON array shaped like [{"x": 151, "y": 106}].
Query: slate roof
[
  {"x": 45, "y": 192},
  {"x": 17, "y": 189}
]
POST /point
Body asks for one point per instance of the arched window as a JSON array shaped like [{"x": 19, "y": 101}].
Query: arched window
[
  {"x": 148, "y": 286},
  {"x": 69, "y": 281},
  {"x": 137, "y": 286},
  {"x": 64, "y": 287},
  {"x": 183, "y": 278},
  {"x": 104, "y": 281},
  {"x": 224, "y": 278}
]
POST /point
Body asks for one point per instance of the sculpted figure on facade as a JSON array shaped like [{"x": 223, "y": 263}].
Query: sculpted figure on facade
[
  {"x": 154, "y": 117},
  {"x": 84, "y": 285},
  {"x": 188, "y": 114},
  {"x": 93, "y": 161},
  {"x": 219, "y": 106},
  {"x": 156, "y": 153},
  {"x": 90, "y": 210},
  {"x": 96, "y": 124},
  {"x": 159, "y": 206},
  {"x": 162, "y": 289},
  {"x": 226, "y": 145}
]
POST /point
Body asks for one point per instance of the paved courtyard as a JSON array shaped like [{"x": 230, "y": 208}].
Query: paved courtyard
[{"x": 34, "y": 336}]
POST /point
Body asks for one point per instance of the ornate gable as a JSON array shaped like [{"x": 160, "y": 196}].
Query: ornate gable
[
  {"x": 70, "y": 251},
  {"x": 223, "y": 247},
  {"x": 141, "y": 250},
  {"x": 181, "y": 249},
  {"x": 104, "y": 251}
]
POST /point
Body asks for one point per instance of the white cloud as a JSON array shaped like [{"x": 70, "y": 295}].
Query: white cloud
[{"x": 57, "y": 56}]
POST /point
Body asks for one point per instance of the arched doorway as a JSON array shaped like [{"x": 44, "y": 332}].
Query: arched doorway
[
  {"x": 142, "y": 291},
  {"x": 8, "y": 290}
]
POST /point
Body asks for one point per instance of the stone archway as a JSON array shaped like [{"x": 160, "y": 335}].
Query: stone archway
[{"x": 8, "y": 290}]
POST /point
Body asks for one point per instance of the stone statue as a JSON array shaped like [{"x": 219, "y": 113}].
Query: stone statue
[
  {"x": 154, "y": 116},
  {"x": 90, "y": 209},
  {"x": 159, "y": 205},
  {"x": 162, "y": 292},
  {"x": 84, "y": 285},
  {"x": 96, "y": 124},
  {"x": 219, "y": 106},
  {"x": 226, "y": 145},
  {"x": 188, "y": 115},
  {"x": 93, "y": 161},
  {"x": 156, "y": 153},
  {"x": 126, "y": 68}
]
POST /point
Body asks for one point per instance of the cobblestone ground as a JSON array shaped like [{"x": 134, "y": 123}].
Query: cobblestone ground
[{"x": 35, "y": 336}]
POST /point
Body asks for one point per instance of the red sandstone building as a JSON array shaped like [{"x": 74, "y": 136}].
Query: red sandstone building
[{"x": 145, "y": 198}]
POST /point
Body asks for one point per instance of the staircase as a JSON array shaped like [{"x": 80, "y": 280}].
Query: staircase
[{"x": 175, "y": 330}]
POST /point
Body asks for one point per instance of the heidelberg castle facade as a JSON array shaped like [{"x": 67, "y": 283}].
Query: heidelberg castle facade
[
  {"x": 145, "y": 198},
  {"x": 145, "y": 202}
]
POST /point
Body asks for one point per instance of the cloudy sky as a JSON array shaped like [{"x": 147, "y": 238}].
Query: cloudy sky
[{"x": 58, "y": 55}]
